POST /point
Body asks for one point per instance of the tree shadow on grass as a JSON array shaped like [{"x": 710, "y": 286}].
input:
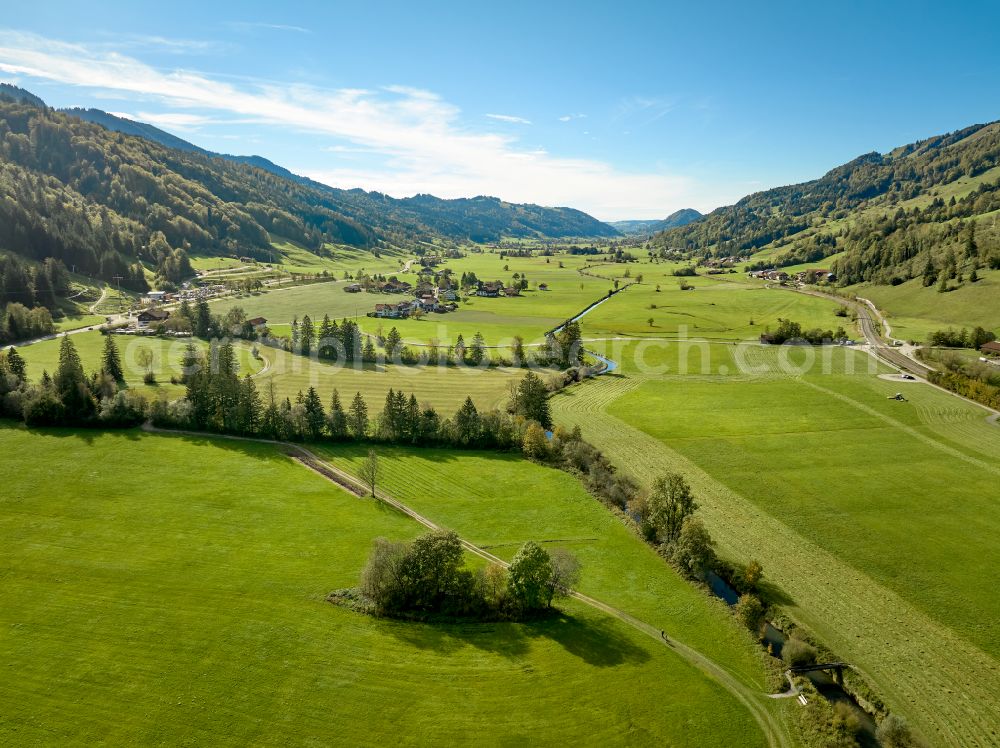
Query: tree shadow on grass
[
  {"x": 772, "y": 594},
  {"x": 598, "y": 641},
  {"x": 501, "y": 638},
  {"x": 82, "y": 433}
]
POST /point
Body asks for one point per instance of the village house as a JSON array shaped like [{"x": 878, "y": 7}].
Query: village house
[
  {"x": 490, "y": 289},
  {"x": 257, "y": 323},
  {"x": 149, "y": 317},
  {"x": 156, "y": 297},
  {"x": 543, "y": 286},
  {"x": 395, "y": 286},
  {"x": 391, "y": 311},
  {"x": 448, "y": 294},
  {"x": 512, "y": 291},
  {"x": 427, "y": 303},
  {"x": 353, "y": 288},
  {"x": 991, "y": 348}
]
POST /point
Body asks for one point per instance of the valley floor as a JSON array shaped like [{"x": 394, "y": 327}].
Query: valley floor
[
  {"x": 866, "y": 513},
  {"x": 144, "y": 604}
]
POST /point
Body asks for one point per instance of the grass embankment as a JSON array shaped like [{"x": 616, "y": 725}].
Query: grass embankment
[
  {"x": 866, "y": 513},
  {"x": 184, "y": 602},
  {"x": 914, "y": 311}
]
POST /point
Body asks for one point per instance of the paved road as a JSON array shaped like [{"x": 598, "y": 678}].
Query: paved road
[
  {"x": 879, "y": 348},
  {"x": 886, "y": 352}
]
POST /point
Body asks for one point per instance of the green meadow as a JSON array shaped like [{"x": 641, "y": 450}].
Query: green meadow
[
  {"x": 500, "y": 501},
  {"x": 168, "y": 606},
  {"x": 498, "y": 319},
  {"x": 167, "y": 357},
  {"x": 446, "y": 388},
  {"x": 869, "y": 515}
]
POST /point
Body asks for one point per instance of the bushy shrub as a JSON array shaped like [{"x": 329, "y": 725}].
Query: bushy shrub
[
  {"x": 796, "y": 652},
  {"x": 43, "y": 408},
  {"x": 750, "y": 611},
  {"x": 123, "y": 409}
]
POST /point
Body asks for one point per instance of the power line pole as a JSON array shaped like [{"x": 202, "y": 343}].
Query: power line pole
[{"x": 118, "y": 279}]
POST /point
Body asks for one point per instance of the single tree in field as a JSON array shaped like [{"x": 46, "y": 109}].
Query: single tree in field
[
  {"x": 191, "y": 361},
  {"x": 478, "y": 349},
  {"x": 393, "y": 343},
  {"x": 369, "y": 470},
  {"x": 517, "y": 351},
  {"x": 111, "y": 361},
  {"x": 650, "y": 321},
  {"x": 144, "y": 357}
]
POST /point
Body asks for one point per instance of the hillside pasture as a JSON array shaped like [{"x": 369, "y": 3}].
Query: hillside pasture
[{"x": 914, "y": 311}]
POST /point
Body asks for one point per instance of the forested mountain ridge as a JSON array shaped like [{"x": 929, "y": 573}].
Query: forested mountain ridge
[
  {"x": 885, "y": 217},
  {"x": 103, "y": 201}
]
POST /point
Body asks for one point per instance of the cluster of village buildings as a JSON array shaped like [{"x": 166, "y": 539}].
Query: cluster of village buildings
[
  {"x": 717, "y": 265},
  {"x": 814, "y": 275},
  {"x": 426, "y": 297}
]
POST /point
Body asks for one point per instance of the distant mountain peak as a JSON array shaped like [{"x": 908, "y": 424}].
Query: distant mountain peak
[{"x": 681, "y": 217}]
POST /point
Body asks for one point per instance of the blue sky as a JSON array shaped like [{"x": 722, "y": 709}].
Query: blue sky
[{"x": 625, "y": 110}]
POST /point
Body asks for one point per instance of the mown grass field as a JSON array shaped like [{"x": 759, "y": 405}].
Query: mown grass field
[
  {"x": 869, "y": 515},
  {"x": 167, "y": 356},
  {"x": 500, "y": 501},
  {"x": 183, "y": 603},
  {"x": 446, "y": 388},
  {"x": 498, "y": 319},
  {"x": 725, "y": 307}
]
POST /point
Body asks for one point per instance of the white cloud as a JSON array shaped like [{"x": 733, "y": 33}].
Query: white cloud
[
  {"x": 570, "y": 117},
  {"x": 254, "y": 25},
  {"x": 510, "y": 118},
  {"x": 164, "y": 44},
  {"x": 423, "y": 142}
]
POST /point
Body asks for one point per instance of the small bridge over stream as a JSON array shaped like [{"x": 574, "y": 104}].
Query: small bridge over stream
[{"x": 835, "y": 668}]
